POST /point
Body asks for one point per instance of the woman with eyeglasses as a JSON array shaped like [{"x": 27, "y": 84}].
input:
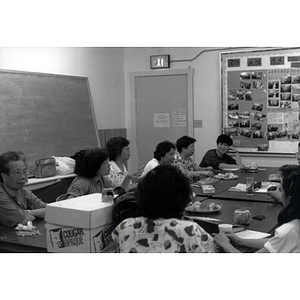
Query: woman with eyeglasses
[
  {"x": 17, "y": 205},
  {"x": 287, "y": 235}
]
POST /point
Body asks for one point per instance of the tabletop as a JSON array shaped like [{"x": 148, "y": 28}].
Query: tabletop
[
  {"x": 269, "y": 211},
  {"x": 11, "y": 242},
  {"x": 222, "y": 186}
]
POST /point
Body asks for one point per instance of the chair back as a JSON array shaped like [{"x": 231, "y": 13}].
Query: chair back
[{"x": 61, "y": 197}]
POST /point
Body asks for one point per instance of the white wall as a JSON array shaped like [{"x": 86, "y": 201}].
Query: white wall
[
  {"x": 206, "y": 93},
  {"x": 104, "y": 68},
  {"x": 108, "y": 71},
  {"x": 206, "y": 87}
]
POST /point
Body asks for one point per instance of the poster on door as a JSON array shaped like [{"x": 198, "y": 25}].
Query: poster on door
[
  {"x": 161, "y": 120},
  {"x": 179, "y": 117}
]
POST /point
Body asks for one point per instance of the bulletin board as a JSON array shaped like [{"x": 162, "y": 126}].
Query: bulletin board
[
  {"x": 261, "y": 99},
  {"x": 45, "y": 115}
]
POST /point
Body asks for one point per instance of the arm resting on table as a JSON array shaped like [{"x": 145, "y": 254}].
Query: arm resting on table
[{"x": 37, "y": 213}]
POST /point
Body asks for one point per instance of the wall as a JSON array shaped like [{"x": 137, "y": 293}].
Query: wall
[
  {"x": 104, "y": 68},
  {"x": 206, "y": 94},
  {"x": 108, "y": 71},
  {"x": 206, "y": 88}
]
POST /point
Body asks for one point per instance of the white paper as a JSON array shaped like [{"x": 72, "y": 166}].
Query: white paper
[
  {"x": 241, "y": 187},
  {"x": 161, "y": 120},
  {"x": 251, "y": 234}
]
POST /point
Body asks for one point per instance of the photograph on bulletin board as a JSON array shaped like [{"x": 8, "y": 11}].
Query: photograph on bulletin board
[{"x": 261, "y": 99}]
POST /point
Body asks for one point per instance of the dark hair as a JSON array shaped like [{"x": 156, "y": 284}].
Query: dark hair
[
  {"x": 291, "y": 186},
  {"x": 163, "y": 193},
  {"x": 224, "y": 139},
  {"x": 90, "y": 161},
  {"x": 8, "y": 156},
  {"x": 115, "y": 146},
  {"x": 184, "y": 142},
  {"x": 163, "y": 148}
]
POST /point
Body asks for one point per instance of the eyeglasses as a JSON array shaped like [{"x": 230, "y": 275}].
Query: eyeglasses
[{"x": 20, "y": 173}]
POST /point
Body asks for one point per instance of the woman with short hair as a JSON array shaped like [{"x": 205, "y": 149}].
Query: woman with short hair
[
  {"x": 219, "y": 159},
  {"x": 183, "y": 158},
  {"x": 287, "y": 235},
  {"x": 119, "y": 153},
  {"x": 92, "y": 168},
  {"x": 163, "y": 155},
  {"x": 17, "y": 204},
  {"x": 162, "y": 197}
]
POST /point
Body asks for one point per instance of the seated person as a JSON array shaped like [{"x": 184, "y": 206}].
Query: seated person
[
  {"x": 163, "y": 155},
  {"x": 287, "y": 234},
  {"x": 218, "y": 159},
  {"x": 298, "y": 154},
  {"x": 276, "y": 194},
  {"x": 92, "y": 168},
  {"x": 17, "y": 205},
  {"x": 162, "y": 197},
  {"x": 183, "y": 158},
  {"x": 119, "y": 152}
]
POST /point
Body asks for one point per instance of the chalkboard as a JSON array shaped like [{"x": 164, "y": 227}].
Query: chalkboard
[
  {"x": 45, "y": 115},
  {"x": 261, "y": 99}
]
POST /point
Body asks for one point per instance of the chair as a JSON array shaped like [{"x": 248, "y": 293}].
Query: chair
[{"x": 61, "y": 197}]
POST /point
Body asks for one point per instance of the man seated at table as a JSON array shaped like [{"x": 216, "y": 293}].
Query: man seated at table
[
  {"x": 183, "y": 158},
  {"x": 17, "y": 205},
  {"x": 219, "y": 159}
]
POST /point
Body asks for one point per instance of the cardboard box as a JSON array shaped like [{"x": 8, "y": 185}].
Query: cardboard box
[{"x": 82, "y": 224}]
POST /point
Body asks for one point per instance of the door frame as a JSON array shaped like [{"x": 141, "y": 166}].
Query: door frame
[{"x": 131, "y": 113}]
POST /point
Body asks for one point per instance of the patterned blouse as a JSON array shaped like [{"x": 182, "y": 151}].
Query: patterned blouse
[
  {"x": 116, "y": 175},
  {"x": 161, "y": 235},
  {"x": 184, "y": 164}
]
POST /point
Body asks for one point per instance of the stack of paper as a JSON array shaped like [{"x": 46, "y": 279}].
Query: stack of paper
[
  {"x": 250, "y": 234},
  {"x": 241, "y": 187}
]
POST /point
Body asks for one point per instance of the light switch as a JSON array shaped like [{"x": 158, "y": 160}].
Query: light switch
[{"x": 197, "y": 123}]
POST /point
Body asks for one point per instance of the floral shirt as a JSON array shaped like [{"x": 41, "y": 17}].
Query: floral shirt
[
  {"x": 161, "y": 235},
  {"x": 184, "y": 164},
  {"x": 116, "y": 175}
]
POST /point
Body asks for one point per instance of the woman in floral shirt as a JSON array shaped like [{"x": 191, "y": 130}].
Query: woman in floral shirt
[
  {"x": 183, "y": 158},
  {"x": 162, "y": 197}
]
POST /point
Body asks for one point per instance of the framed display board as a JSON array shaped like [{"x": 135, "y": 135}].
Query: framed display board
[
  {"x": 45, "y": 115},
  {"x": 261, "y": 99}
]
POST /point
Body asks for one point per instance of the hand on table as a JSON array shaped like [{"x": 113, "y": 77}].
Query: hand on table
[
  {"x": 207, "y": 173},
  {"x": 221, "y": 239}
]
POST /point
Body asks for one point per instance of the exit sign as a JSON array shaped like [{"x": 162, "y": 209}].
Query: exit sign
[{"x": 160, "y": 61}]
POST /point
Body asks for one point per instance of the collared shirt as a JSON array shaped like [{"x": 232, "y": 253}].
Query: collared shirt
[
  {"x": 81, "y": 186},
  {"x": 116, "y": 175},
  {"x": 13, "y": 209},
  {"x": 184, "y": 164}
]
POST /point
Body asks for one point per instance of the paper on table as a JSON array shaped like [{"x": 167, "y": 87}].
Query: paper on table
[
  {"x": 241, "y": 187},
  {"x": 251, "y": 234}
]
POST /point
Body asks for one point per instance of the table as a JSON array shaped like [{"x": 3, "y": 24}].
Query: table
[
  {"x": 222, "y": 186},
  {"x": 48, "y": 189},
  {"x": 10, "y": 242},
  {"x": 226, "y": 215}
]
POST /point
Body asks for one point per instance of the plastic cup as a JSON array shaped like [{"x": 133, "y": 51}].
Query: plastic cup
[
  {"x": 226, "y": 228},
  {"x": 107, "y": 195},
  {"x": 249, "y": 184}
]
